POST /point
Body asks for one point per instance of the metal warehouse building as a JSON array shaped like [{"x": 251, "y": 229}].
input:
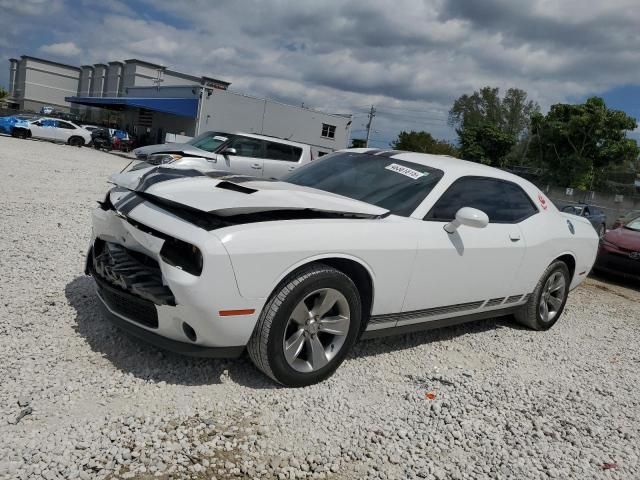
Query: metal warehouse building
[{"x": 151, "y": 101}]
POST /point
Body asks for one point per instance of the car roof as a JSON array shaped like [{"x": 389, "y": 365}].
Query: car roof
[
  {"x": 272, "y": 139},
  {"x": 450, "y": 165}
]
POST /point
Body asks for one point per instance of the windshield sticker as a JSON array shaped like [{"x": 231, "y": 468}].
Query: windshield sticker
[{"x": 406, "y": 171}]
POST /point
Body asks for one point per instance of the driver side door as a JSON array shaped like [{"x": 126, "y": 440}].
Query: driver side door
[
  {"x": 458, "y": 273},
  {"x": 248, "y": 158}
]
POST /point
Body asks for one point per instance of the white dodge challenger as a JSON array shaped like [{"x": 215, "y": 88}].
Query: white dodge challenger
[{"x": 362, "y": 243}]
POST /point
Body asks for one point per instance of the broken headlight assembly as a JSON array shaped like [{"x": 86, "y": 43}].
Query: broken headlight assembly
[
  {"x": 182, "y": 255},
  {"x": 163, "y": 158}
]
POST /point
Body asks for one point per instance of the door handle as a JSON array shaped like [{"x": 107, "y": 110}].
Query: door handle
[
  {"x": 256, "y": 166},
  {"x": 292, "y": 168},
  {"x": 514, "y": 237}
]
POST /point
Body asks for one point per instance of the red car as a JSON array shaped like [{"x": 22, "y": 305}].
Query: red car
[{"x": 620, "y": 251}]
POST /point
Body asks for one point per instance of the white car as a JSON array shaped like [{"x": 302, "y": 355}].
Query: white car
[
  {"x": 54, "y": 129},
  {"x": 243, "y": 153},
  {"x": 361, "y": 243}
]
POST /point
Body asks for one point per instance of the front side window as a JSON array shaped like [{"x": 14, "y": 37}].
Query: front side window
[
  {"x": 395, "y": 185},
  {"x": 281, "y": 151},
  {"x": 501, "y": 200},
  {"x": 328, "y": 131},
  {"x": 246, "y": 147}
]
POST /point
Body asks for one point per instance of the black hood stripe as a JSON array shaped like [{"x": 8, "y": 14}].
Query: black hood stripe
[{"x": 161, "y": 174}]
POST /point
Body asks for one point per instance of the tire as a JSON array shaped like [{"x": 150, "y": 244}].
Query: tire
[
  {"x": 76, "y": 141},
  {"x": 20, "y": 133},
  {"x": 303, "y": 295},
  {"x": 532, "y": 314}
]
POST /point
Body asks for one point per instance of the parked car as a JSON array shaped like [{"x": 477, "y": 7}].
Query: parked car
[
  {"x": 90, "y": 128},
  {"x": 592, "y": 213},
  {"x": 244, "y": 153},
  {"x": 101, "y": 139},
  {"x": 53, "y": 129},
  {"x": 201, "y": 146},
  {"x": 622, "y": 220},
  {"x": 619, "y": 251},
  {"x": 360, "y": 243}
]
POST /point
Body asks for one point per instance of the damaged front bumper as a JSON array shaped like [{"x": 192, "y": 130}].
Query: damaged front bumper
[{"x": 151, "y": 295}]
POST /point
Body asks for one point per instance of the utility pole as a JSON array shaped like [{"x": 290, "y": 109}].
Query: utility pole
[{"x": 372, "y": 113}]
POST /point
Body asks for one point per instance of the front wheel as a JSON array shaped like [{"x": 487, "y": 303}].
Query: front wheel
[
  {"x": 546, "y": 303},
  {"x": 76, "y": 141},
  {"x": 307, "y": 327}
]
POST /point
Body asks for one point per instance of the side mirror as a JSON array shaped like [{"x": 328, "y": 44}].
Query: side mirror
[
  {"x": 229, "y": 151},
  {"x": 471, "y": 217}
]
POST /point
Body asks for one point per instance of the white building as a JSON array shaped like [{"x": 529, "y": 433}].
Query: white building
[{"x": 150, "y": 101}]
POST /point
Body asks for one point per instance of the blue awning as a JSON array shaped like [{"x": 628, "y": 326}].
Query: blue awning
[{"x": 186, "y": 107}]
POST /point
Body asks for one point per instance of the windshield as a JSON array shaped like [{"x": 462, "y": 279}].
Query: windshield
[
  {"x": 208, "y": 141},
  {"x": 395, "y": 185},
  {"x": 634, "y": 225},
  {"x": 631, "y": 215},
  {"x": 573, "y": 209}
]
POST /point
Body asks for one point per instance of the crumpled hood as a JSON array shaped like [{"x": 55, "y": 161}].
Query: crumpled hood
[
  {"x": 172, "y": 147},
  {"x": 226, "y": 194}
]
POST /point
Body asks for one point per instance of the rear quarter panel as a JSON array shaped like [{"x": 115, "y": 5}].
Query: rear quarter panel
[{"x": 548, "y": 236}]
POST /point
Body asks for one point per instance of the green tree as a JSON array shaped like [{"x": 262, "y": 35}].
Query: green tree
[
  {"x": 510, "y": 114},
  {"x": 488, "y": 126},
  {"x": 3, "y": 93},
  {"x": 485, "y": 143},
  {"x": 423, "y": 142},
  {"x": 358, "y": 143},
  {"x": 575, "y": 143}
]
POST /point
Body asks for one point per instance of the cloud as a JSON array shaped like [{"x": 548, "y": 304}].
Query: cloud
[
  {"x": 30, "y": 7},
  {"x": 411, "y": 59},
  {"x": 65, "y": 49}
]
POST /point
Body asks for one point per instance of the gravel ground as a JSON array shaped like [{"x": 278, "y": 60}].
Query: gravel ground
[{"x": 78, "y": 399}]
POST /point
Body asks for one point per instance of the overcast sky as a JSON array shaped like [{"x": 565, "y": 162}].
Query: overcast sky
[{"x": 410, "y": 58}]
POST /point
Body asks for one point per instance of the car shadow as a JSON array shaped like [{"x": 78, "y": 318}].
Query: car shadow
[
  {"x": 145, "y": 361},
  {"x": 378, "y": 346},
  {"x": 134, "y": 356}
]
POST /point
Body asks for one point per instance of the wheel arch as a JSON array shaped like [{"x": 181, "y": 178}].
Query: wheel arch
[
  {"x": 355, "y": 268},
  {"x": 569, "y": 260}
]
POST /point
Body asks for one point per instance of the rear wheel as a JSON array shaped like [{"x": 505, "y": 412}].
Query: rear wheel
[
  {"x": 307, "y": 327},
  {"x": 76, "y": 141},
  {"x": 20, "y": 133},
  {"x": 546, "y": 303}
]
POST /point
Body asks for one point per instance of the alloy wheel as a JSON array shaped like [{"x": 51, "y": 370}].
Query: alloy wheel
[
  {"x": 552, "y": 296},
  {"x": 316, "y": 330}
]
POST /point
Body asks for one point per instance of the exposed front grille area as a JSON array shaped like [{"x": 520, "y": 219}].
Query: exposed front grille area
[
  {"x": 129, "y": 282},
  {"x": 128, "y": 305}
]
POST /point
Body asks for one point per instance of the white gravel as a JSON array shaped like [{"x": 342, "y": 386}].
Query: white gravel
[{"x": 509, "y": 403}]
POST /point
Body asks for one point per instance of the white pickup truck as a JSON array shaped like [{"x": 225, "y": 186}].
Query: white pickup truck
[{"x": 242, "y": 153}]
